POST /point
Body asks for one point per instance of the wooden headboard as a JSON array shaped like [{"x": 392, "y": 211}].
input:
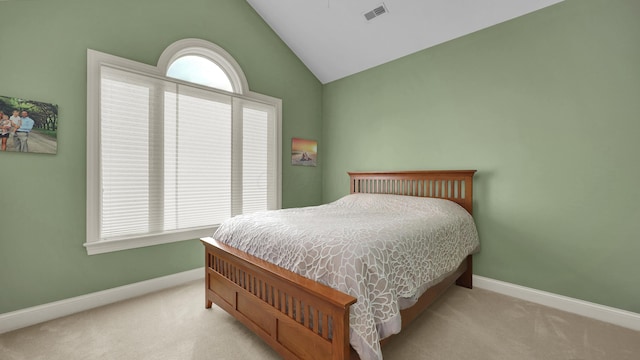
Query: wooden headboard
[{"x": 454, "y": 185}]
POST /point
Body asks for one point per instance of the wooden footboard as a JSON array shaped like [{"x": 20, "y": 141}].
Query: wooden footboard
[{"x": 297, "y": 317}]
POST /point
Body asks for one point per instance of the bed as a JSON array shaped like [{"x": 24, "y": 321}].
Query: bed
[{"x": 305, "y": 319}]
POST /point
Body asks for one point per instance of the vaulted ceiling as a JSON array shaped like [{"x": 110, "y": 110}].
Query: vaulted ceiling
[{"x": 334, "y": 39}]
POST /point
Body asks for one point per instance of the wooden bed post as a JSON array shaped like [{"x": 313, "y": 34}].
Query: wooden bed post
[
  {"x": 466, "y": 279},
  {"x": 207, "y": 279}
]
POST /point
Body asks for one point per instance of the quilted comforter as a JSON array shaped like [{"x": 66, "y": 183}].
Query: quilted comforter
[{"x": 385, "y": 250}]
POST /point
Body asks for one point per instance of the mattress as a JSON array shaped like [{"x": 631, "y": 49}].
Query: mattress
[{"x": 385, "y": 250}]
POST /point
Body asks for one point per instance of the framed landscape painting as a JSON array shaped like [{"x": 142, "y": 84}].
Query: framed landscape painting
[
  {"x": 304, "y": 152},
  {"x": 28, "y": 126}
]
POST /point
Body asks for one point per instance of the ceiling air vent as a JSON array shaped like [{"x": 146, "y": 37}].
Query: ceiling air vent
[{"x": 380, "y": 10}]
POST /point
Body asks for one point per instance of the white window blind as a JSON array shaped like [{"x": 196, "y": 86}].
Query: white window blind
[
  {"x": 175, "y": 157},
  {"x": 127, "y": 106},
  {"x": 256, "y": 177},
  {"x": 197, "y": 159}
]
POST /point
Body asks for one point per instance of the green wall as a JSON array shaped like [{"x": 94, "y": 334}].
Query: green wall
[
  {"x": 43, "y": 45},
  {"x": 547, "y": 108},
  {"x": 544, "y": 106}
]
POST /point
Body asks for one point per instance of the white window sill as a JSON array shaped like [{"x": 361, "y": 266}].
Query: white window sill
[{"x": 106, "y": 246}]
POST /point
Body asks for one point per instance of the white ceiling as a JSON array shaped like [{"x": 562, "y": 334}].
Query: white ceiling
[{"x": 334, "y": 40}]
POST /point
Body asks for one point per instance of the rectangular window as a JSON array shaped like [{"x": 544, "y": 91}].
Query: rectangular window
[
  {"x": 168, "y": 161},
  {"x": 197, "y": 159},
  {"x": 256, "y": 132},
  {"x": 125, "y": 114}
]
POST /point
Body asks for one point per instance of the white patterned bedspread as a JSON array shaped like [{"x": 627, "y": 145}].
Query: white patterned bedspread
[{"x": 385, "y": 250}]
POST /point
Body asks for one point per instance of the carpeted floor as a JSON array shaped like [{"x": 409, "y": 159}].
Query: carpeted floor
[{"x": 463, "y": 324}]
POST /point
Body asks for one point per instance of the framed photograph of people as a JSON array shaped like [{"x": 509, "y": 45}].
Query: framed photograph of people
[
  {"x": 28, "y": 126},
  {"x": 304, "y": 152}
]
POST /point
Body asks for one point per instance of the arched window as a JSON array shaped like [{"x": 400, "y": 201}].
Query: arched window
[
  {"x": 199, "y": 70},
  {"x": 175, "y": 149},
  {"x": 208, "y": 64}
]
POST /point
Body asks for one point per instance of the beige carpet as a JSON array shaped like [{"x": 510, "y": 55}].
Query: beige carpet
[{"x": 463, "y": 324}]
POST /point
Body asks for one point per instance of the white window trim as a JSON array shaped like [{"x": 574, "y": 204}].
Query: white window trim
[{"x": 96, "y": 59}]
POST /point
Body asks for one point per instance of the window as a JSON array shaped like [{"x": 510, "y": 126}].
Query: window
[
  {"x": 199, "y": 70},
  {"x": 175, "y": 149}
]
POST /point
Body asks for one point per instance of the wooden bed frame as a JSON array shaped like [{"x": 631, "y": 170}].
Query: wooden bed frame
[{"x": 280, "y": 306}]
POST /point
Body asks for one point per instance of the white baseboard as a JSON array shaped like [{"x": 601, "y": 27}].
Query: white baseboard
[
  {"x": 37, "y": 314},
  {"x": 41, "y": 313},
  {"x": 608, "y": 314}
]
